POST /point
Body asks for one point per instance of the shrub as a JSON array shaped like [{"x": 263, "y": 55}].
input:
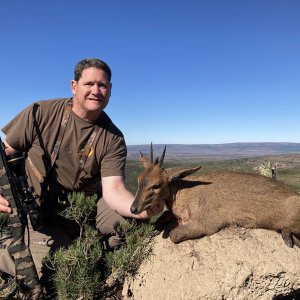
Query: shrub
[
  {"x": 137, "y": 247},
  {"x": 78, "y": 271},
  {"x": 76, "y": 274}
]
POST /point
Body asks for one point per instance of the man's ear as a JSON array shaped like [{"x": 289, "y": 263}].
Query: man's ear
[{"x": 73, "y": 86}]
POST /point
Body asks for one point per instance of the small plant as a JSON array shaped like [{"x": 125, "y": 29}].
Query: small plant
[
  {"x": 138, "y": 246},
  {"x": 267, "y": 169},
  {"x": 76, "y": 273},
  {"x": 79, "y": 209}
]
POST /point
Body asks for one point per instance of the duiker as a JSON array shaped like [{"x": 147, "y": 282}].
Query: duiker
[{"x": 204, "y": 204}]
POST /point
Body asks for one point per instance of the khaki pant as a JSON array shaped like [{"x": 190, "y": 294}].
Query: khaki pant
[{"x": 51, "y": 238}]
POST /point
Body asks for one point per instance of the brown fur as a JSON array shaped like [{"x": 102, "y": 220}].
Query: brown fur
[{"x": 206, "y": 203}]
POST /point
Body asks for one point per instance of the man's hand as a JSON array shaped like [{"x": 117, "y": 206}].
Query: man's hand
[
  {"x": 120, "y": 199},
  {"x": 4, "y": 205}
]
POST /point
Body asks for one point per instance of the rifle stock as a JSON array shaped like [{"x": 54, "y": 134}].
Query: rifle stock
[{"x": 26, "y": 274}]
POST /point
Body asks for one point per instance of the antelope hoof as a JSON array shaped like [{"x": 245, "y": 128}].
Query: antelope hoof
[{"x": 287, "y": 237}]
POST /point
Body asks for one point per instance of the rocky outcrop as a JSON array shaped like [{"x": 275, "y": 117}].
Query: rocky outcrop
[{"x": 235, "y": 263}]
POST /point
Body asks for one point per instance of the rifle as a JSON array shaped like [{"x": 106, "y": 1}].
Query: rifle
[{"x": 14, "y": 186}]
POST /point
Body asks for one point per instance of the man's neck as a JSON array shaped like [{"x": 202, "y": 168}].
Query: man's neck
[{"x": 91, "y": 116}]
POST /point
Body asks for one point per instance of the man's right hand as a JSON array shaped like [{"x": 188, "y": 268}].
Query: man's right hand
[{"x": 4, "y": 205}]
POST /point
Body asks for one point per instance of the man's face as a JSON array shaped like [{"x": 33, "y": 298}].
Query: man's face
[{"x": 91, "y": 93}]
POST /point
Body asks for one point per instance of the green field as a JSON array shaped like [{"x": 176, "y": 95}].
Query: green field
[{"x": 288, "y": 168}]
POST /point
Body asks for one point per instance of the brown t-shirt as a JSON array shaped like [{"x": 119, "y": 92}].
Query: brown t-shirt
[{"x": 35, "y": 131}]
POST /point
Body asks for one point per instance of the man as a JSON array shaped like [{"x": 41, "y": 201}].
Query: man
[{"x": 71, "y": 145}]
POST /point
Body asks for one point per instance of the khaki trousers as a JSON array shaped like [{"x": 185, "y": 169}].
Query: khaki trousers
[{"x": 53, "y": 237}]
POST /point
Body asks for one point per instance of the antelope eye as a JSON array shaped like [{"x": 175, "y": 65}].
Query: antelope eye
[{"x": 156, "y": 186}]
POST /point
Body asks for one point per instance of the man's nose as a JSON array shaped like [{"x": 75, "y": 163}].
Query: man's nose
[{"x": 95, "y": 89}]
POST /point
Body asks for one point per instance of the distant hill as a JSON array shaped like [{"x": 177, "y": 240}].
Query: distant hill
[{"x": 215, "y": 151}]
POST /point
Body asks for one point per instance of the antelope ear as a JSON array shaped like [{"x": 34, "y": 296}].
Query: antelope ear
[
  {"x": 180, "y": 172},
  {"x": 145, "y": 161}
]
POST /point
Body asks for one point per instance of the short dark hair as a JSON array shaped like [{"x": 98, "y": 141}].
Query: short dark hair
[{"x": 91, "y": 63}]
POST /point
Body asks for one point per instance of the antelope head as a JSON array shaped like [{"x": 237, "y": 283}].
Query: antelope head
[{"x": 153, "y": 182}]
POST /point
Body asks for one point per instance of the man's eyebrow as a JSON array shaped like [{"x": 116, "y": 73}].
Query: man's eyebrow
[{"x": 98, "y": 82}]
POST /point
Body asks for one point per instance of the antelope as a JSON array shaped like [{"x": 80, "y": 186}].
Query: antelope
[{"x": 204, "y": 204}]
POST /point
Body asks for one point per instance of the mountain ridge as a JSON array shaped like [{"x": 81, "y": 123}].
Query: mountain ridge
[{"x": 226, "y": 150}]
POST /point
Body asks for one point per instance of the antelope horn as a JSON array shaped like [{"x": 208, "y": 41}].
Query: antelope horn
[{"x": 162, "y": 157}]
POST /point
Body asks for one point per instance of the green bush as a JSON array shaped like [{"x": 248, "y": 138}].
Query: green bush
[
  {"x": 77, "y": 272},
  {"x": 137, "y": 247}
]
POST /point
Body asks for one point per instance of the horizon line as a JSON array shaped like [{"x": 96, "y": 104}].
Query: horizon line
[{"x": 225, "y": 143}]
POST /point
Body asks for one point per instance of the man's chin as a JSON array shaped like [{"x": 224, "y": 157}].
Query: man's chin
[{"x": 96, "y": 106}]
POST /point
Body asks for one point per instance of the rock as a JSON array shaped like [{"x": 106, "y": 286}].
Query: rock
[{"x": 235, "y": 263}]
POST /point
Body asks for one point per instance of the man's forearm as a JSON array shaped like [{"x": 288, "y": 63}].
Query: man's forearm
[{"x": 120, "y": 201}]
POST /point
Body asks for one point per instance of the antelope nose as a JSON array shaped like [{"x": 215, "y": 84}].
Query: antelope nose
[{"x": 134, "y": 210}]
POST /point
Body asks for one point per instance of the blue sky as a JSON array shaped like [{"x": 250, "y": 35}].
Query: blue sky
[{"x": 184, "y": 72}]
